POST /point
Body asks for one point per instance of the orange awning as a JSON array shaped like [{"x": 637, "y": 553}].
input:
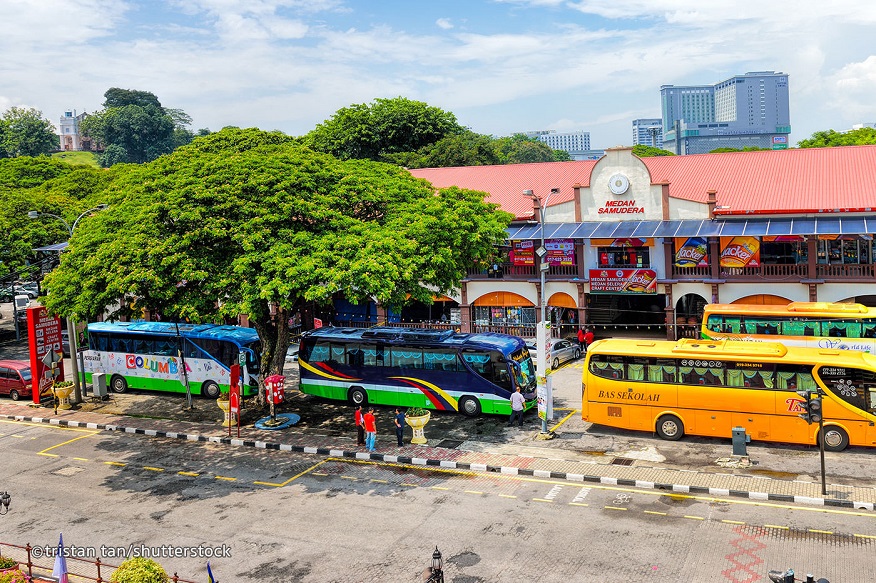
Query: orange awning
[
  {"x": 502, "y": 299},
  {"x": 562, "y": 300}
]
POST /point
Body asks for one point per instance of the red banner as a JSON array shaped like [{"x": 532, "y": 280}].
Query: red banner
[
  {"x": 624, "y": 281},
  {"x": 522, "y": 253},
  {"x": 44, "y": 334}
]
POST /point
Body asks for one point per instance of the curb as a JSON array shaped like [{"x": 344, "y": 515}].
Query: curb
[{"x": 427, "y": 462}]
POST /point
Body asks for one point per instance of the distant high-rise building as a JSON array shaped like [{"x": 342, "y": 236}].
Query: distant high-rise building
[
  {"x": 745, "y": 110},
  {"x": 648, "y": 132},
  {"x": 567, "y": 141}
]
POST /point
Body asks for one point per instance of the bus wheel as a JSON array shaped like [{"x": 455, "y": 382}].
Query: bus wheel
[
  {"x": 13, "y": 394},
  {"x": 670, "y": 427},
  {"x": 835, "y": 438},
  {"x": 210, "y": 390},
  {"x": 469, "y": 406},
  {"x": 118, "y": 384},
  {"x": 358, "y": 396}
]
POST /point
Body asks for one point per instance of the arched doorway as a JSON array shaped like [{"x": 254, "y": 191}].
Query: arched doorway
[
  {"x": 688, "y": 315},
  {"x": 505, "y": 312},
  {"x": 563, "y": 315}
]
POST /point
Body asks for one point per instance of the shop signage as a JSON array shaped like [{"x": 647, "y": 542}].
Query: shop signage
[
  {"x": 620, "y": 207},
  {"x": 560, "y": 251},
  {"x": 623, "y": 281},
  {"x": 44, "y": 333},
  {"x": 522, "y": 253},
  {"x": 740, "y": 252},
  {"x": 691, "y": 252}
]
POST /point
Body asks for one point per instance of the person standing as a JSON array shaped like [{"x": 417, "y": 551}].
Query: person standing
[
  {"x": 588, "y": 339},
  {"x": 370, "y": 429},
  {"x": 581, "y": 338},
  {"x": 360, "y": 426},
  {"x": 400, "y": 427},
  {"x": 517, "y": 402}
]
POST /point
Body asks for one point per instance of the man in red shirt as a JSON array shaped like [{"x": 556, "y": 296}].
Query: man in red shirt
[
  {"x": 588, "y": 339},
  {"x": 360, "y": 426},
  {"x": 370, "y": 429}
]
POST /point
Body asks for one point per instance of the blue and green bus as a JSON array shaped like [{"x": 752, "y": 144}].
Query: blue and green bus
[
  {"x": 164, "y": 356},
  {"x": 405, "y": 367}
]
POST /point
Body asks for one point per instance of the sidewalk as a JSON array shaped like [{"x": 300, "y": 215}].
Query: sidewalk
[{"x": 503, "y": 459}]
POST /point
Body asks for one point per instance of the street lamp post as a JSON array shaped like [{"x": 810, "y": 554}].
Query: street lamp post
[
  {"x": 71, "y": 325},
  {"x": 542, "y": 331}
]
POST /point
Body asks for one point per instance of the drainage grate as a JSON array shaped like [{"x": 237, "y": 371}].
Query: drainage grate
[
  {"x": 450, "y": 443},
  {"x": 621, "y": 461}
]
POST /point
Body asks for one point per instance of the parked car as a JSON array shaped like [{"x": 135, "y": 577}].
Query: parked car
[
  {"x": 292, "y": 353},
  {"x": 561, "y": 351},
  {"x": 65, "y": 342},
  {"x": 15, "y": 379},
  {"x": 6, "y": 295}
]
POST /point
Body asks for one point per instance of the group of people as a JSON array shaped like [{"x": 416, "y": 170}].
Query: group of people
[
  {"x": 366, "y": 427},
  {"x": 585, "y": 338}
]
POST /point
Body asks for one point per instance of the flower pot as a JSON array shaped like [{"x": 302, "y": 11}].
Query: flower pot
[
  {"x": 417, "y": 424},
  {"x": 230, "y": 419},
  {"x": 62, "y": 392}
]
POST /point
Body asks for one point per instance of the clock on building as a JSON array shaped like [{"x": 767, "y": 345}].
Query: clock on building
[{"x": 618, "y": 183}]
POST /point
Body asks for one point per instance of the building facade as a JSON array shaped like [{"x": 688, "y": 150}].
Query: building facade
[
  {"x": 645, "y": 243},
  {"x": 745, "y": 110},
  {"x": 70, "y": 137},
  {"x": 648, "y": 132}
]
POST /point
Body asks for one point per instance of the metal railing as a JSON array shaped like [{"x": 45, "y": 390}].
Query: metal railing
[{"x": 77, "y": 569}]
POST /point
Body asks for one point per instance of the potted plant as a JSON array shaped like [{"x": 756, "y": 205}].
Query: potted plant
[
  {"x": 417, "y": 417},
  {"x": 62, "y": 390},
  {"x": 225, "y": 404}
]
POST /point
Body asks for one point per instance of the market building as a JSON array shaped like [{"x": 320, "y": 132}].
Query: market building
[{"x": 636, "y": 243}]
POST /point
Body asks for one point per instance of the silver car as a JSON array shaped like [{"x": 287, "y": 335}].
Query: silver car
[{"x": 561, "y": 351}]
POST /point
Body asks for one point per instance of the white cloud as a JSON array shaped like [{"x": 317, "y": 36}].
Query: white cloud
[{"x": 444, "y": 23}]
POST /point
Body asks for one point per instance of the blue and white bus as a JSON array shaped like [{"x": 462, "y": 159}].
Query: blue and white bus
[
  {"x": 163, "y": 356},
  {"x": 405, "y": 367}
]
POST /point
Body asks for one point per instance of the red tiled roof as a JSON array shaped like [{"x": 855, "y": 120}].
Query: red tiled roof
[{"x": 811, "y": 180}]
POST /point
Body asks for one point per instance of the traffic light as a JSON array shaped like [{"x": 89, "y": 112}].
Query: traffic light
[{"x": 811, "y": 407}]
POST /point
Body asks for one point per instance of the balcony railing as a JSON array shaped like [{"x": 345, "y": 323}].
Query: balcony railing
[{"x": 845, "y": 271}]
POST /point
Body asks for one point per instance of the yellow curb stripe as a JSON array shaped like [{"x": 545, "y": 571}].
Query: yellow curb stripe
[
  {"x": 408, "y": 485},
  {"x": 694, "y": 517},
  {"x": 656, "y": 513},
  {"x": 439, "y": 488},
  {"x": 507, "y": 496},
  {"x": 474, "y": 492},
  {"x": 295, "y": 477},
  {"x": 81, "y": 459},
  {"x": 153, "y": 469},
  {"x": 542, "y": 500},
  {"x": 776, "y": 526},
  {"x": 614, "y": 508},
  {"x": 226, "y": 478},
  {"x": 733, "y": 522},
  {"x": 48, "y": 454},
  {"x": 870, "y": 536},
  {"x": 190, "y": 474},
  {"x": 119, "y": 464},
  {"x": 563, "y": 420},
  {"x": 349, "y": 478},
  {"x": 380, "y": 481},
  {"x": 815, "y": 530},
  {"x": 578, "y": 504}
]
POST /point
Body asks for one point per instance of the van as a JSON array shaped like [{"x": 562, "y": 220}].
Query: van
[{"x": 15, "y": 379}]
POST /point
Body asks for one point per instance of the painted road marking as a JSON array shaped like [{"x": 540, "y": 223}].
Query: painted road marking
[
  {"x": 190, "y": 474},
  {"x": 226, "y": 478},
  {"x": 293, "y": 478},
  {"x": 553, "y": 493},
  {"x": 615, "y": 508},
  {"x": 118, "y": 464},
  {"x": 657, "y": 513},
  {"x": 153, "y": 469},
  {"x": 582, "y": 494}
]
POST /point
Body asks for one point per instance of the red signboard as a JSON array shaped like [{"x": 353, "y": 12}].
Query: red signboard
[
  {"x": 44, "y": 333},
  {"x": 522, "y": 253},
  {"x": 624, "y": 281}
]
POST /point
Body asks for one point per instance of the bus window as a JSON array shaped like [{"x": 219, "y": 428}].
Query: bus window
[
  {"x": 852, "y": 385},
  {"x": 691, "y": 375},
  {"x": 662, "y": 370},
  {"x": 489, "y": 365},
  {"x": 355, "y": 356},
  {"x": 636, "y": 368},
  {"x": 607, "y": 366},
  {"x": 369, "y": 355},
  {"x": 319, "y": 353},
  {"x": 406, "y": 357},
  {"x": 440, "y": 359}
]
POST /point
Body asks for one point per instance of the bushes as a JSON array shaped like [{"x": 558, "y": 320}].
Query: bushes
[
  {"x": 139, "y": 570},
  {"x": 13, "y": 576}
]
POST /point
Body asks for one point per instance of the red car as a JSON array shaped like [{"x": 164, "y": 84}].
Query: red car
[{"x": 15, "y": 379}]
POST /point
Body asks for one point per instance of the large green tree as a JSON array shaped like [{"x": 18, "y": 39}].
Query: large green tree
[
  {"x": 643, "y": 151},
  {"x": 249, "y": 222},
  {"x": 385, "y": 126},
  {"x": 25, "y": 132},
  {"x": 134, "y": 127},
  {"x": 830, "y": 138}
]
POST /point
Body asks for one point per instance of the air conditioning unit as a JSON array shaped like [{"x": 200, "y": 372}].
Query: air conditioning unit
[{"x": 98, "y": 385}]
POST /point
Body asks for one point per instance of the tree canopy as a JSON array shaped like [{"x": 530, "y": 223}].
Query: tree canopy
[
  {"x": 25, "y": 132},
  {"x": 831, "y": 138},
  {"x": 384, "y": 127},
  {"x": 243, "y": 219},
  {"x": 134, "y": 127},
  {"x": 643, "y": 151}
]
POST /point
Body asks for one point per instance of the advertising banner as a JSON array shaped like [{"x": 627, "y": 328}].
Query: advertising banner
[
  {"x": 560, "y": 251},
  {"x": 44, "y": 333},
  {"x": 740, "y": 252},
  {"x": 691, "y": 252},
  {"x": 523, "y": 253},
  {"x": 623, "y": 281},
  {"x": 624, "y": 242}
]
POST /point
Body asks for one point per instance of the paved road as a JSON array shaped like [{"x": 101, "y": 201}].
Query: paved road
[{"x": 292, "y": 517}]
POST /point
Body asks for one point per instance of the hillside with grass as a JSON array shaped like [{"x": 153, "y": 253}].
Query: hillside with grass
[{"x": 77, "y": 158}]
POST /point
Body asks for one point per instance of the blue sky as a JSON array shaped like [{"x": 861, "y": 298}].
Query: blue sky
[{"x": 501, "y": 66}]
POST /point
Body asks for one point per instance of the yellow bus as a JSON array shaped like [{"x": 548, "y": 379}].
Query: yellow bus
[
  {"x": 704, "y": 387},
  {"x": 812, "y": 324}
]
